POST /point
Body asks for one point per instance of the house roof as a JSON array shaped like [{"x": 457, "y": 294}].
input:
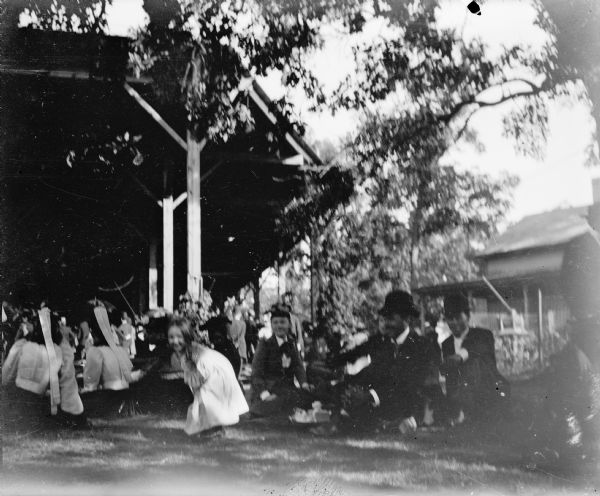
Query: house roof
[
  {"x": 479, "y": 288},
  {"x": 543, "y": 230}
]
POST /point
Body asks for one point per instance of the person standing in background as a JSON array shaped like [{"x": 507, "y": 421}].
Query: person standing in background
[
  {"x": 237, "y": 332},
  {"x": 251, "y": 334},
  {"x": 126, "y": 333},
  {"x": 296, "y": 325}
]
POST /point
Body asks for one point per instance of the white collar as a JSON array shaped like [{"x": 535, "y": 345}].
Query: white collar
[
  {"x": 280, "y": 341},
  {"x": 400, "y": 339},
  {"x": 462, "y": 337}
]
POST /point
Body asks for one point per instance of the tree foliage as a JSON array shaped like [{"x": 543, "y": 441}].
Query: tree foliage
[{"x": 419, "y": 84}]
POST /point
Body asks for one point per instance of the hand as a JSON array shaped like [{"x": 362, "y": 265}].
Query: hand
[
  {"x": 306, "y": 386},
  {"x": 271, "y": 397}
]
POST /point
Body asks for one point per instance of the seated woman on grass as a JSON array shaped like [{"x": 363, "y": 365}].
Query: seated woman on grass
[
  {"x": 108, "y": 370},
  {"x": 218, "y": 398},
  {"x": 275, "y": 365},
  {"x": 37, "y": 364}
]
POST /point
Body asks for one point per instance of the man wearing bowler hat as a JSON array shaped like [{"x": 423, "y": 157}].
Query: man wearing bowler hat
[
  {"x": 396, "y": 361},
  {"x": 474, "y": 386}
]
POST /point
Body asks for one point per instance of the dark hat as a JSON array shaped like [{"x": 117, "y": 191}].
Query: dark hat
[
  {"x": 399, "y": 302},
  {"x": 280, "y": 311},
  {"x": 456, "y": 303}
]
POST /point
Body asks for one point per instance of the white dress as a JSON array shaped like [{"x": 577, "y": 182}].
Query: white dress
[{"x": 218, "y": 398}]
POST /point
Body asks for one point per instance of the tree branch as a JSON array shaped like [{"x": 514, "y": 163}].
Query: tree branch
[
  {"x": 449, "y": 116},
  {"x": 95, "y": 27}
]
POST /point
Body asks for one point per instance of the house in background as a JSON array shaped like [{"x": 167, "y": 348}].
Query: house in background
[{"x": 524, "y": 272}]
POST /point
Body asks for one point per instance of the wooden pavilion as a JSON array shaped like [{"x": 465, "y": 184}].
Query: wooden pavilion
[{"x": 178, "y": 198}]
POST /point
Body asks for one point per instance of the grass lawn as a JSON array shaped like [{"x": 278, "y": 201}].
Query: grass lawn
[{"x": 151, "y": 455}]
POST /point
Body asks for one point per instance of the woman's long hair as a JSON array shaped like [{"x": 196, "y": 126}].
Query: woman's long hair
[
  {"x": 90, "y": 317},
  {"x": 187, "y": 331},
  {"x": 37, "y": 335}
]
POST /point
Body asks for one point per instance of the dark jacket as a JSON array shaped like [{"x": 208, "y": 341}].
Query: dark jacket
[
  {"x": 413, "y": 358},
  {"x": 394, "y": 373},
  {"x": 479, "y": 371},
  {"x": 225, "y": 346},
  {"x": 267, "y": 365}
]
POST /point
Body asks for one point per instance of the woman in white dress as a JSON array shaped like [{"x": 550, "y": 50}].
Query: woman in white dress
[{"x": 218, "y": 398}]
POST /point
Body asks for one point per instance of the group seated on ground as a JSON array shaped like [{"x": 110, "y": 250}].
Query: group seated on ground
[
  {"x": 396, "y": 384},
  {"x": 390, "y": 379},
  {"x": 394, "y": 377}
]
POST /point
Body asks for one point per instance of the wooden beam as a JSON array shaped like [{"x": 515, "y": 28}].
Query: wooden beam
[
  {"x": 183, "y": 196},
  {"x": 155, "y": 115},
  {"x": 144, "y": 188},
  {"x": 168, "y": 257},
  {"x": 180, "y": 199},
  {"x": 497, "y": 294},
  {"x": 152, "y": 276},
  {"x": 80, "y": 75},
  {"x": 265, "y": 109},
  {"x": 293, "y": 161},
  {"x": 194, "y": 218},
  {"x": 540, "y": 327}
]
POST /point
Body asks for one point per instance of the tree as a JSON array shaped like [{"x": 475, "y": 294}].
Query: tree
[
  {"x": 430, "y": 83},
  {"x": 576, "y": 27},
  {"x": 402, "y": 231},
  {"x": 199, "y": 53}
]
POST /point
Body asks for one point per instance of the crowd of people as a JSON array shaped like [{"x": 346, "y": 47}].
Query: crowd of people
[{"x": 401, "y": 375}]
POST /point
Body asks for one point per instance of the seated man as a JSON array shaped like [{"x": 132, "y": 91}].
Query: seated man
[
  {"x": 275, "y": 365},
  {"x": 317, "y": 352},
  {"x": 396, "y": 363},
  {"x": 474, "y": 385}
]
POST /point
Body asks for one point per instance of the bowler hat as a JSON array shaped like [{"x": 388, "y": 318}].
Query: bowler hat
[
  {"x": 399, "y": 302},
  {"x": 456, "y": 303}
]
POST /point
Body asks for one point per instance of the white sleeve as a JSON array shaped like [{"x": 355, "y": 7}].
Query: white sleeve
[{"x": 9, "y": 369}]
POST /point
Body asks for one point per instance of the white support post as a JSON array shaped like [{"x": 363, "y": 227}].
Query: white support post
[
  {"x": 168, "y": 272},
  {"x": 152, "y": 277},
  {"x": 194, "y": 231}
]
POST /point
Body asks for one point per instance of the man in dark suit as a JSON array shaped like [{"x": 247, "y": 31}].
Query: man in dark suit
[
  {"x": 397, "y": 363},
  {"x": 474, "y": 386},
  {"x": 274, "y": 367}
]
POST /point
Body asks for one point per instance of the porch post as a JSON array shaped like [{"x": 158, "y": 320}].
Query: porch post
[
  {"x": 167, "y": 205},
  {"x": 152, "y": 276},
  {"x": 194, "y": 231}
]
